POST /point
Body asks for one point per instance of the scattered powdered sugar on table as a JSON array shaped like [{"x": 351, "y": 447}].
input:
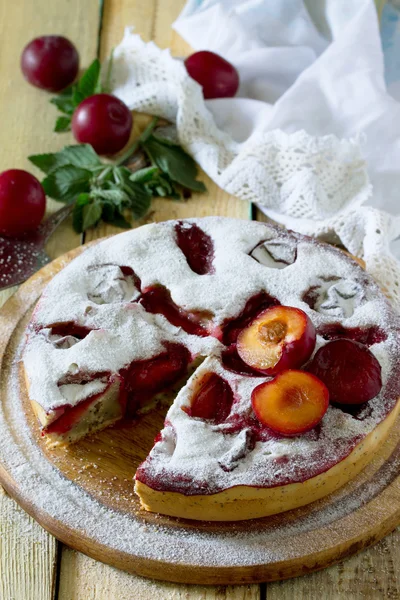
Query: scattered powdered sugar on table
[
  {"x": 65, "y": 501},
  {"x": 50, "y": 493}
]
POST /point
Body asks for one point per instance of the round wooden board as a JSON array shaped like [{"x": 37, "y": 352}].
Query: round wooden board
[{"x": 84, "y": 494}]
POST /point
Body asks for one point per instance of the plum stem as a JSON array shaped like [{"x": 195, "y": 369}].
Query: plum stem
[{"x": 140, "y": 140}]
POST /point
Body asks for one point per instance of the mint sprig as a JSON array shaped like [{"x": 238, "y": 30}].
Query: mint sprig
[
  {"x": 111, "y": 191},
  {"x": 173, "y": 161},
  {"x": 72, "y": 96}
]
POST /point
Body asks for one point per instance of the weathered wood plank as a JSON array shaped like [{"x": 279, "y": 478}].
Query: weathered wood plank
[
  {"x": 167, "y": 12},
  {"x": 370, "y": 575},
  {"x": 27, "y": 117},
  {"x": 83, "y": 578},
  {"x": 28, "y": 552},
  {"x": 119, "y": 14},
  {"x": 27, "y": 555}
]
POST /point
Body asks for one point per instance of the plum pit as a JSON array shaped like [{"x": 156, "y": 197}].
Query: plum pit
[{"x": 279, "y": 338}]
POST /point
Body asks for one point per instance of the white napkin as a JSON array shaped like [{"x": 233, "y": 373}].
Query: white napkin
[{"x": 308, "y": 70}]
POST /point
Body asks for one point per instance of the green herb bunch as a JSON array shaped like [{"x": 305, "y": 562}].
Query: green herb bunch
[{"x": 113, "y": 191}]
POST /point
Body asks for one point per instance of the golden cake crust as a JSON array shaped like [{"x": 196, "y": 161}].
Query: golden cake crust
[{"x": 244, "y": 502}]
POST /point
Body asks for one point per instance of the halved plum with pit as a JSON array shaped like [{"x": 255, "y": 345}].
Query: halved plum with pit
[
  {"x": 254, "y": 306},
  {"x": 292, "y": 403},
  {"x": 231, "y": 361},
  {"x": 282, "y": 337}
]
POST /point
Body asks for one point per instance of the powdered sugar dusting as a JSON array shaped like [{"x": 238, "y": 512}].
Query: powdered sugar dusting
[
  {"x": 98, "y": 291},
  {"x": 260, "y": 542},
  {"x": 263, "y": 541},
  {"x": 190, "y": 457}
]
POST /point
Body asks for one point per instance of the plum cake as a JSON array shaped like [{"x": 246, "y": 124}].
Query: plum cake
[{"x": 297, "y": 382}]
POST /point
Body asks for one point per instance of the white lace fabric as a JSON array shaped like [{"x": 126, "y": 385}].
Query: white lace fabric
[{"x": 313, "y": 184}]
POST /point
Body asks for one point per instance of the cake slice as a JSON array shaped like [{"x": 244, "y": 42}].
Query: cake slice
[{"x": 238, "y": 469}]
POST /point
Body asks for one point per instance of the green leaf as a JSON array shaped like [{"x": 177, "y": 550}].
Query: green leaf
[
  {"x": 165, "y": 141},
  {"x": 91, "y": 215},
  {"x": 144, "y": 175},
  {"x": 78, "y": 97},
  {"x": 113, "y": 216},
  {"x": 120, "y": 221},
  {"x": 46, "y": 162},
  {"x": 69, "y": 99},
  {"x": 140, "y": 199},
  {"x": 161, "y": 191},
  {"x": 81, "y": 155},
  {"x": 99, "y": 87},
  {"x": 174, "y": 161},
  {"x": 62, "y": 124},
  {"x": 64, "y": 101},
  {"x": 77, "y": 213},
  {"x": 122, "y": 176},
  {"x": 166, "y": 183},
  {"x": 119, "y": 176},
  {"x": 162, "y": 185},
  {"x": 104, "y": 174},
  {"x": 88, "y": 83},
  {"x": 66, "y": 182},
  {"x": 117, "y": 196},
  {"x": 108, "y": 212}
]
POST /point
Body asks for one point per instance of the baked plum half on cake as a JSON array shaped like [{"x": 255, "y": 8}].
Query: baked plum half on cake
[{"x": 297, "y": 378}]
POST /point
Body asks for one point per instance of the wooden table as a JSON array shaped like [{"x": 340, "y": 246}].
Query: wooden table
[{"x": 33, "y": 565}]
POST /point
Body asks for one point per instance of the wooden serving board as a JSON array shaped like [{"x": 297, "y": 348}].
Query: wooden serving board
[{"x": 84, "y": 494}]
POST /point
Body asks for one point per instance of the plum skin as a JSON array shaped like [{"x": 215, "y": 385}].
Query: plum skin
[
  {"x": 217, "y": 76},
  {"x": 349, "y": 370},
  {"x": 297, "y": 352},
  {"x": 50, "y": 62},
  {"x": 293, "y": 354},
  {"x": 103, "y": 121},
  {"x": 213, "y": 399},
  {"x": 22, "y": 202}
]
